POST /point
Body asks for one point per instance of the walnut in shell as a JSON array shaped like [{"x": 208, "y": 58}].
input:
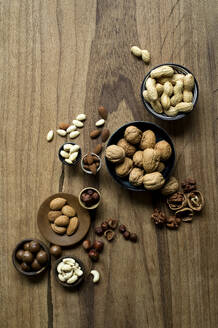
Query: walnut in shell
[
  {"x": 133, "y": 134},
  {"x": 123, "y": 169},
  {"x": 153, "y": 181},
  {"x": 170, "y": 187},
  {"x": 128, "y": 148},
  {"x": 161, "y": 167},
  {"x": 136, "y": 176},
  {"x": 138, "y": 158},
  {"x": 115, "y": 154},
  {"x": 164, "y": 149},
  {"x": 151, "y": 159},
  {"x": 148, "y": 140}
]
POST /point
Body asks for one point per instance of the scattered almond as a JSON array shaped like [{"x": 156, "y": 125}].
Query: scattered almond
[
  {"x": 74, "y": 134},
  {"x": 71, "y": 128},
  {"x": 100, "y": 122},
  {"x": 50, "y": 135},
  {"x": 78, "y": 123},
  {"x": 64, "y": 126},
  {"x": 61, "y": 132},
  {"x": 103, "y": 112},
  {"x": 81, "y": 117},
  {"x": 98, "y": 148},
  {"x": 95, "y": 133},
  {"x": 105, "y": 134}
]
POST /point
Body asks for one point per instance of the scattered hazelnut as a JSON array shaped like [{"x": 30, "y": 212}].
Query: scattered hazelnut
[
  {"x": 87, "y": 245},
  {"x": 112, "y": 223},
  {"x": 133, "y": 237},
  {"x": 93, "y": 254},
  {"x": 104, "y": 226},
  {"x": 98, "y": 245},
  {"x": 109, "y": 235},
  {"x": 126, "y": 235},
  {"x": 99, "y": 231},
  {"x": 122, "y": 228},
  {"x": 55, "y": 250}
]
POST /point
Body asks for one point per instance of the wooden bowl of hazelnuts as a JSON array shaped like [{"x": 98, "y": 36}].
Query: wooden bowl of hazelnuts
[{"x": 31, "y": 257}]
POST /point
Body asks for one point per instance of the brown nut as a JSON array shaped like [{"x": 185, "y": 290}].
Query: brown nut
[
  {"x": 164, "y": 149},
  {"x": 64, "y": 126},
  {"x": 177, "y": 201},
  {"x": 115, "y": 154},
  {"x": 151, "y": 159},
  {"x": 122, "y": 228},
  {"x": 98, "y": 245},
  {"x": 159, "y": 218},
  {"x": 138, "y": 159},
  {"x": 105, "y": 134},
  {"x": 195, "y": 200},
  {"x": 99, "y": 231},
  {"x": 123, "y": 169},
  {"x": 52, "y": 215},
  {"x": 58, "y": 230},
  {"x": 93, "y": 254},
  {"x": 136, "y": 176},
  {"x": 173, "y": 222},
  {"x": 109, "y": 234},
  {"x": 98, "y": 148},
  {"x": 148, "y": 140},
  {"x": 188, "y": 185},
  {"x": 73, "y": 225},
  {"x": 55, "y": 250},
  {"x": 89, "y": 159},
  {"x": 133, "y": 237},
  {"x": 87, "y": 245},
  {"x": 95, "y": 133},
  {"x": 103, "y": 112},
  {"x": 170, "y": 187},
  {"x": 132, "y": 134},
  {"x": 62, "y": 221},
  {"x": 153, "y": 181},
  {"x": 112, "y": 223},
  {"x": 126, "y": 235},
  {"x": 104, "y": 226},
  {"x": 128, "y": 148},
  {"x": 185, "y": 214},
  {"x": 57, "y": 203},
  {"x": 68, "y": 210}
]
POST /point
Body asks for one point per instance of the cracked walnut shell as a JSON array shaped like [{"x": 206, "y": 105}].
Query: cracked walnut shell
[
  {"x": 128, "y": 148},
  {"x": 136, "y": 176},
  {"x": 123, "y": 169},
  {"x": 151, "y": 159},
  {"x": 115, "y": 154},
  {"x": 138, "y": 159},
  {"x": 148, "y": 140},
  {"x": 153, "y": 181},
  {"x": 195, "y": 200},
  {"x": 170, "y": 187},
  {"x": 185, "y": 214},
  {"x": 164, "y": 149},
  {"x": 177, "y": 201},
  {"x": 133, "y": 134}
]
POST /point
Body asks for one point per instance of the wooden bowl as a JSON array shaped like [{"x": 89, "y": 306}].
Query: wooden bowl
[
  {"x": 63, "y": 240},
  {"x": 76, "y": 283},
  {"x": 93, "y": 206},
  {"x": 17, "y": 264}
]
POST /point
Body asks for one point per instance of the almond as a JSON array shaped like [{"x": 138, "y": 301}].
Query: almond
[
  {"x": 105, "y": 134},
  {"x": 61, "y": 132},
  {"x": 102, "y": 112},
  {"x": 52, "y": 215},
  {"x": 73, "y": 225},
  {"x": 59, "y": 230},
  {"x": 63, "y": 126},
  {"x": 86, "y": 167},
  {"x": 98, "y": 148},
  {"x": 62, "y": 221},
  {"x": 68, "y": 210},
  {"x": 57, "y": 203},
  {"x": 89, "y": 158},
  {"x": 50, "y": 135},
  {"x": 93, "y": 168},
  {"x": 95, "y": 133}
]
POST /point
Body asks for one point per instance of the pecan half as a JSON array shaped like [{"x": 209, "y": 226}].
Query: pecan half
[
  {"x": 158, "y": 217},
  {"x": 188, "y": 185},
  {"x": 185, "y": 214},
  {"x": 173, "y": 222},
  {"x": 177, "y": 201},
  {"x": 195, "y": 200}
]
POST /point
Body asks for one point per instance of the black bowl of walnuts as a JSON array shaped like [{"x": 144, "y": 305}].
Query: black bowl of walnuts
[{"x": 31, "y": 257}]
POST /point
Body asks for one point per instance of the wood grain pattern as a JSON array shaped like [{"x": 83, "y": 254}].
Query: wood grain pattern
[{"x": 59, "y": 58}]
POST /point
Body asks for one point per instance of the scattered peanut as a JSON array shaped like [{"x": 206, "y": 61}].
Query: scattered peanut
[
  {"x": 136, "y": 51},
  {"x": 144, "y": 54}
]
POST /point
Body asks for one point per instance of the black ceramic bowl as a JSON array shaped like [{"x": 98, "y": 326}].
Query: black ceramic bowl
[
  {"x": 17, "y": 263},
  {"x": 79, "y": 280},
  {"x": 178, "y": 69},
  {"x": 143, "y": 126},
  {"x": 62, "y": 159}
]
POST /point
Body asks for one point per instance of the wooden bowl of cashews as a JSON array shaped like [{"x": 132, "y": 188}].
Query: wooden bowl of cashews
[{"x": 169, "y": 91}]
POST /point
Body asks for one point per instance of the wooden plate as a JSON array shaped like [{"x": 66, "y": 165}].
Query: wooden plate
[{"x": 63, "y": 240}]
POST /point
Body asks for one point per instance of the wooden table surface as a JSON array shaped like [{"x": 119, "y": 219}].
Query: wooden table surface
[{"x": 62, "y": 58}]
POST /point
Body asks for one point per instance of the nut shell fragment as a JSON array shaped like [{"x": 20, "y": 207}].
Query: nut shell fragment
[
  {"x": 177, "y": 201},
  {"x": 195, "y": 200},
  {"x": 185, "y": 214}
]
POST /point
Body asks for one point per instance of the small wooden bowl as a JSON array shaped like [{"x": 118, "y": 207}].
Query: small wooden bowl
[
  {"x": 89, "y": 172},
  {"x": 17, "y": 264},
  {"x": 93, "y": 206},
  {"x": 79, "y": 280}
]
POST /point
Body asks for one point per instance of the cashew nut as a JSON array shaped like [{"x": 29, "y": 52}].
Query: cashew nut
[
  {"x": 59, "y": 267},
  {"x": 61, "y": 277},
  {"x": 69, "y": 261},
  {"x": 78, "y": 272},
  {"x": 96, "y": 275},
  {"x": 67, "y": 275},
  {"x": 66, "y": 268},
  {"x": 72, "y": 279}
]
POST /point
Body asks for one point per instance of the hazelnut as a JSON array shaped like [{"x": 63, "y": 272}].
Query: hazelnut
[
  {"x": 98, "y": 245},
  {"x": 55, "y": 250},
  {"x": 34, "y": 246},
  {"x": 19, "y": 255},
  {"x": 133, "y": 237},
  {"x": 35, "y": 265},
  {"x": 93, "y": 254},
  {"x": 133, "y": 134},
  {"x": 126, "y": 235},
  {"x": 115, "y": 154},
  {"x": 26, "y": 246},
  {"x": 104, "y": 226},
  {"x": 148, "y": 140},
  {"x": 25, "y": 267},
  {"x": 170, "y": 187},
  {"x": 151, "y": 159},
  {"x": 128, "y": 148},
  {"x": 123, "y": 169},
  {"x": 136, "y": 176},
  {"x": 27, "y": 257},
  {"x": 42, "y": 257},
  {"x": 138, "y": 159},
  {"x": 87, "y": 245},
  {"x": 122, "y": 228},
  {"x": 109, "y": 234},
  {"x": 164, "y": 149},
  {"x": 99, "y": 231},
  {"x": 153, "y": 181},
  {"x": 112, "y": 223}
]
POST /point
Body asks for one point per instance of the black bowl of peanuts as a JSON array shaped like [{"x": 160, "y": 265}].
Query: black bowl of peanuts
[{"x": 169, "y": 91}]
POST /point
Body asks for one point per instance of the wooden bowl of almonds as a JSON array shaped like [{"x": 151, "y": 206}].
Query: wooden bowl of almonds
[{"x": 169, "y": 91}]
